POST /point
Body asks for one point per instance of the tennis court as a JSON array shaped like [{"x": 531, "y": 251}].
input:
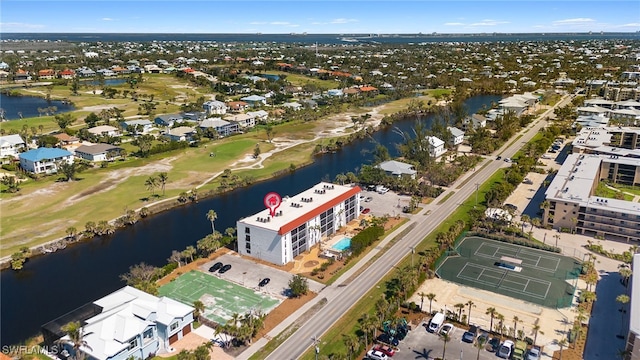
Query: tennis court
[
  {"x": 221, "y": 298},
  {"x": 533, "y": 275}
]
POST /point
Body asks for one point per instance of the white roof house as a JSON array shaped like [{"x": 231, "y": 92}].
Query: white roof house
[
  {"x": 457, "y": 135},
  {"x": 436, "y": 146},
  {"x": 134, "y": 324},
  {"x": 104, "y": 130},
  {"x": 10, "y": 145},
  {"x": 397, "y": 168},
  {"x": 215, "y": 107}
]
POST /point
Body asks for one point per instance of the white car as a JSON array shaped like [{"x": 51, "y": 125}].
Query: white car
[
  {"x": 534, "y": 353},
  {"x": 376, "y": 355},
  {"x": 447, "y": 329},
  {"x": 506, "y": 349}
]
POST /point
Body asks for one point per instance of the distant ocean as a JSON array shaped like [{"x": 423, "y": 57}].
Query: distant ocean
[{"x": 316, "y": 38}]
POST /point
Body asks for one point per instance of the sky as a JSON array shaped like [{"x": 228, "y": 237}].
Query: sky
[{"x": 318, "y": 17}]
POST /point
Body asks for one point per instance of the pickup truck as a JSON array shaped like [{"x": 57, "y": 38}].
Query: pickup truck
[{"x": 519, "y": 350}]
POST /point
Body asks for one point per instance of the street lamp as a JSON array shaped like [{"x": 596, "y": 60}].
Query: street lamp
[
  {"x": 413, "y": 251},
  {"x": 316, "y": 341},
  {"x": 477, "y": 188}
]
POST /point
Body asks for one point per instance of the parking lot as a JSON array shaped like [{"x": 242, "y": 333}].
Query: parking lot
[
  {"x": 389, "y": 203},
  {"x": 247, "y": 273},
  {"x": 420, "y": 344}
]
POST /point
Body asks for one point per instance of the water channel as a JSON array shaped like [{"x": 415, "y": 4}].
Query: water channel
[
  {"x": 14, "y": 106},
  {"x": 52, "y": 285}
]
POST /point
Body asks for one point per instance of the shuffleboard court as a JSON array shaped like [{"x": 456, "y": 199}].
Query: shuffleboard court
[
  {"x": 533, "y": 275},
  {"x": 221, "y": 298}
]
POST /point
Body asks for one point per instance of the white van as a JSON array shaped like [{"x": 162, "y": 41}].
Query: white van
[{"x": 436, "y": 322}]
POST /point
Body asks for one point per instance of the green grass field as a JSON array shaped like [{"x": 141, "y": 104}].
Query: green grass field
[{"x": 221, "y": 298}]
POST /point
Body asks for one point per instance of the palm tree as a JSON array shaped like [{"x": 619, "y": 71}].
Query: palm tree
[
  {"x": 545, "y": 206},
  {"x": 536, "y": 330},
  {"x": 422, "y": 295},
  {"x": 623, "y": 299},
  {"x": 525, "y": 219},
  {"x": 516, "y": 320},
  {"x": 480, "y": 344},
  {"x": 212, "y": 216},
  {"x": 500, "y": 318},
  {"x": 445, "y": 339},
  {"x": 151, "y": 183},
  {"x": 470, "y": 304},
  {"x": 76, "y": 336},
  {"x": 72, "y": 232},
  {"x": 162, "y": 179},
  {"x": 189, "y": 252},
  {"x": 625, "y": 273},
  {"x": 351, "y": 341},
  {"x": 562, "y": 343},
  {"x": 198, "y": 307},
  {"x": 459, "y": 306},
  {"x": 492, "y": 312}
]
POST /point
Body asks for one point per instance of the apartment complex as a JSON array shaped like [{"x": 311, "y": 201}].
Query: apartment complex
[
  {"x": 298, "y": 223},
  {"x": 613, "y": 141},
  {"x": 573, "y": 205},
  {"x": 633, "y": 338}
]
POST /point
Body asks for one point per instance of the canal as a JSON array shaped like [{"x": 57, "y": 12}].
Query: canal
[
  {"x": 52, "y": 285},
  {"x": 27, "y": 106}
]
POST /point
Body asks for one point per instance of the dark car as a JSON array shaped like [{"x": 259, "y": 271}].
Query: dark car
[
  {"x": 264, "y": 282},
  {"x": 483, "y": 338},
  {"x": 470, "y": 335},
  {"x": 365, "y": 211},
  {"x": 499, "y": 157},
  {"x": 215, "y": 267},
  {"x": 493, "y": 345},
  {"x": 224, "y": 269}
]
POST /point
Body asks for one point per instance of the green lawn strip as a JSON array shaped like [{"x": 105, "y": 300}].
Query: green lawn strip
[
  {"x": 446, "y": 197},
  {"x": 465, "y": 181},
  {"x": 603, "y": 191},
  {"x": 625, "y": 188},
  {"x": 513, "y": 142},
  {"x": 332, "y": 340},
  {"x": 301, "y": 80}
]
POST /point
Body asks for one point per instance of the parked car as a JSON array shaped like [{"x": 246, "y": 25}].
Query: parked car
[
  {"x": 447, "y": 329},
  {"x": 506, "y": 349},
  {"x": 376, "y": 355},
  {"x": 381, "y": 189},
  {"x": 368, "y": 198},
  {"x": 264, "y": 282},
  {"x": 493, "y": 345},
  {"x": 215, "y": 267},
  {"x": 534, "y": 353},
  {"x": 470, "y": 335},
  {"x": 385, "y": 349},
  {"x": 483, "y": 337},
  {"x": 365, "y": 210},
  {"x": 499, "y": 157},
  {"x": 507, "y": 160},
  {"x": 224, "y": 269}
]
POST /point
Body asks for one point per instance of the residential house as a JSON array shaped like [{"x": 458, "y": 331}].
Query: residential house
[
  {"x": 215, "y": 107},
  {"x": 21, "y": 75},
  {"x": 106, "y": 72},
  {"x": 436, "y": 146},
  {"x": 293, "y": 106},
  {"x": 457, "y": 135},
  {"x": 222, "y": 127},
  {"x": 476, "y": 121},
  {"x": 237, "y": 106},
  {"x": 335, "y": 93},
  {"x": 168, "y": 119},
  {"x": 243, "y": 120},
  {"x": 255, "y": 100},
  {"x": 44, "y": 160},
  {"x": 126, "y": 324},
  {"x": 193, "y": 116},
  {"x": 259, "y": 116},
  {"x": 67, "y": 74},
  {"x": 369, "y": 90},
  {"x": 181, "y": 133},
  {"x": 46, "y": 74},
  {"x": 398, "y": 169},
  {"x": 11, "y": 145},
  {"x": 104, "y": 130},
  {"x": 141, "y": 126},
  {"x": 85, "y": 72},
  {"x": 98, "y": 152},
  {"x": 65, "y": 139},
  {"x": 309, "y": 103}
]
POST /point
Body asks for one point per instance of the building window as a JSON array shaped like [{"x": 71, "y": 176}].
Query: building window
[
  {"x": 174, "y": 326},
  {"x": 247, "y": 238},
  {"x": 247, "y": 230},
  {"x": 133, "y": 343},
  {"x": 147, "y": 335}
]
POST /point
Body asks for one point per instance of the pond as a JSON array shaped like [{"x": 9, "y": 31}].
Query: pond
[{"x": 17, "y": 107}]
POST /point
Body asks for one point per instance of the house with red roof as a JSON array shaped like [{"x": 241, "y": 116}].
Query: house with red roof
[
  {"x": 66, "y": 74},
  {"x": 21, "y": 75},
  {"x": 46, "y": 74}
]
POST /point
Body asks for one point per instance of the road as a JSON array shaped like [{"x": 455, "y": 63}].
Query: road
[{"x": 340, "y": 298}]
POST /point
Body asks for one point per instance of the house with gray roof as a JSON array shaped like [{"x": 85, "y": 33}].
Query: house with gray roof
[
  {"x": 457, "y": 135},
  {"x": 141, "y": 126},
  {"x": 98, "y": 152},
  {"x": 168, "y": 119},
  {"x": 10, "y": 145},
  {"x": 44, "y": 160},
  {"x": 181, "y": 133},
  {"x": 398, "y": 169},
  {"x": 132, "y": 324},
  {"x": 255, "y": 100},
  {"x": 222, "y": 127},
  {"x": 436, "y": 146}
]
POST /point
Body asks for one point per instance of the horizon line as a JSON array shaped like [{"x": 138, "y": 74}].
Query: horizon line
[{"x": 338, "y": 33}]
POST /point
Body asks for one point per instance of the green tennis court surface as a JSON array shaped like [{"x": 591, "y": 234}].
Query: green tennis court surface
[
  {"x": 221, "y": 298},
  {"x": 537, "y": 276}
]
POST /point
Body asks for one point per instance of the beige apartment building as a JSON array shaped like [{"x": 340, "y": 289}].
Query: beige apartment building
[{"x": 573, "y": 205}]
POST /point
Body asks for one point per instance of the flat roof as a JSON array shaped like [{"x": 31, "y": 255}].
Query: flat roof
[
  {"x": 296, "y": 212},
  {"x": 576, "y": 177},
  {"x": 634, "y": 313}
]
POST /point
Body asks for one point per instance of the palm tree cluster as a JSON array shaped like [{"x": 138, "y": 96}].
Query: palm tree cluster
[{"x": 243, "y": 327}]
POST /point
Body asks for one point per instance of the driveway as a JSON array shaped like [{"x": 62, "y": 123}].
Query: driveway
[{"x": 385, "y": 204}]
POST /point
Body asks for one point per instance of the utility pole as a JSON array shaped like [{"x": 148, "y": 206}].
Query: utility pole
[
  {"x": 316, "y": 341},
  {"x": 477, "y": 188}
]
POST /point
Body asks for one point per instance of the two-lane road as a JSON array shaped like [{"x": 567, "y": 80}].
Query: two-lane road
[{"x": 341, "y": 298}]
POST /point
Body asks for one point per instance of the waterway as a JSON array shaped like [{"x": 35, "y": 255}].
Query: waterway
[
  {"x": 54, "y": 284},
  {"x": 28, "y": 106}
]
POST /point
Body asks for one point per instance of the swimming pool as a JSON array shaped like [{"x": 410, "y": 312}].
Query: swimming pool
[{"x": 343, "y": 244}]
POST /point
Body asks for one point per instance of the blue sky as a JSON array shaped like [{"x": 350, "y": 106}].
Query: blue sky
[{"x": 328, "y": 16}]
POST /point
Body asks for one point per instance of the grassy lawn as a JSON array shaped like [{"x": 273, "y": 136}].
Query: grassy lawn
[
  {"x": 429, "y": 95},
  {"x": 301, "y": 80},
  {"x": 625, "y": 188},
  {"x": 603, "y": 191}
]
